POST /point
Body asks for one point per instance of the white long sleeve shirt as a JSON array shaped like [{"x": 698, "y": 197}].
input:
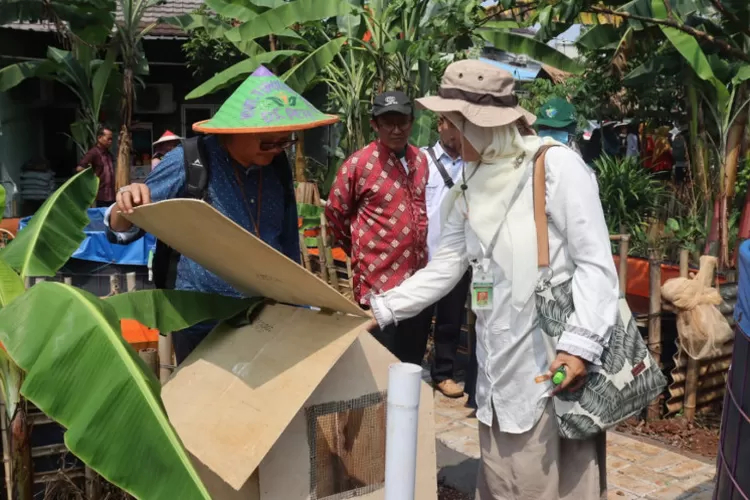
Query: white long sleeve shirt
[
  {"x": 508, "y": 358},
  {"x": 435, "y": 192}
]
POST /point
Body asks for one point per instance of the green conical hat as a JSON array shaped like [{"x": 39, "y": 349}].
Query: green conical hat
[{"x": 263, "y": 103}]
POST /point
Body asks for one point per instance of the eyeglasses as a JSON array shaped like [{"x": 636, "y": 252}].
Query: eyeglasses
[
  {"x": 390, "y": 126},
  {"x": 275, "y": 145}
]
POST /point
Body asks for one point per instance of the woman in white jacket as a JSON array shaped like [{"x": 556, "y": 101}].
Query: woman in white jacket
[{"x": 490, "y": 226}]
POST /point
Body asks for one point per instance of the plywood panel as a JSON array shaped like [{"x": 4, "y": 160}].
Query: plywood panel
[{"x": 200, "y": 232}]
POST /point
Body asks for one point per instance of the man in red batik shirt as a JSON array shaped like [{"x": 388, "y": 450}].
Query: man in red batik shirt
[{"x": 376, "y": 210}]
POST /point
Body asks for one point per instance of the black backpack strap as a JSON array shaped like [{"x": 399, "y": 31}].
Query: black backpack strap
[
  {"x": 443, "y": 172},
  {"x": 285, "y": 177},
  {"x": 196, "y": 167}
]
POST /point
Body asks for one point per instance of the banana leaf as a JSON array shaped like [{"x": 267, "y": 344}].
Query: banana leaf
[
  {"x": 278, "y": 19},
  {"x": 301, "y": 76},
  {"x": 173, "y": 310},
  {"x": 14, "y": 74},
  {"x": 232, "y": 10},
  {"x": 82, "y": 373},
  {"x": 235, "y": 72},
  {"x": 11, "y": 287},
  {"x": 539, "y": 51},
  {"x": 55, "y": 231}
]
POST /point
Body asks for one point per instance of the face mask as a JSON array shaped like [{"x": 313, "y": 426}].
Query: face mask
[{"x": 558, "y": 135}]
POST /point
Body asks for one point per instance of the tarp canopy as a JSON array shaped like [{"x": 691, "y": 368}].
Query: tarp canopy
[{"x": 97, "y": 248}]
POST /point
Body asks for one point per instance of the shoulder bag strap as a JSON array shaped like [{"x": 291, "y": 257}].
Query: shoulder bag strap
[
  {"x": 540, "y": 208},
  {"x": 443, "y": 173}
]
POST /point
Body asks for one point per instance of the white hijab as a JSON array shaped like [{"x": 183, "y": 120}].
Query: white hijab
[{"x": 505, "y": 156}]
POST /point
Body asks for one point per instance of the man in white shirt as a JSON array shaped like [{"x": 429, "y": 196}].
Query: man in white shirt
[{"x": 445, "y": 164}]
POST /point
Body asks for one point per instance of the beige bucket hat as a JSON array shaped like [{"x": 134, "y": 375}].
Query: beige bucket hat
[{"x": 481, "y": 92}]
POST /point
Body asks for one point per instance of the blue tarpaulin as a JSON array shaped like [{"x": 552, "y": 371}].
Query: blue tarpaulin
[
  {"x": 742, "y": 309},
  {"x": 96, "y": 247},
  {"x": 518, "y": 72}
]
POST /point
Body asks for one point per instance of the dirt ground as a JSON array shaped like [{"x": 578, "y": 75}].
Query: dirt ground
[
  {"x": 700, "y": 436},
  {"x": 446, "y": 493}
]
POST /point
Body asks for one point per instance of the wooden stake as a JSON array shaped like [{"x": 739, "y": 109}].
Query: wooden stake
[
  {"x": 654, "y": 322},
  {"x": 303, "y": 251},
  {"x": 693, "y": 365}
]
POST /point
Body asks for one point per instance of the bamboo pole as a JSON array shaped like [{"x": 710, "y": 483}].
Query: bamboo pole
[
  {"x": 6, "y": 451},
  {"x": 693, "y": 365},
  {"x": 303, "y": 251},
  {"x": 130, "y": 282},
  {"x": 166, "y": 362},
  {"x": 654, "y": 322},
  {"x": 623, "y": 272}
]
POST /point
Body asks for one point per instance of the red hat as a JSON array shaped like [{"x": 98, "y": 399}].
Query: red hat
[{"x": 168, "y": 137}]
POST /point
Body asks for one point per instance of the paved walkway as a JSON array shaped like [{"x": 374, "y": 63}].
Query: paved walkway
[{"x": 636, "y": 468}]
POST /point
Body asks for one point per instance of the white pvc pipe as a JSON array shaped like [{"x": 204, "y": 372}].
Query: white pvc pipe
[{"x": 404, "y": 380}]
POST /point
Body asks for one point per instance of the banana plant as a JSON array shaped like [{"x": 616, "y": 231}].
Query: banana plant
[
  {"x": 64, "y": 352},
  {"x": 89, "y": 79}
]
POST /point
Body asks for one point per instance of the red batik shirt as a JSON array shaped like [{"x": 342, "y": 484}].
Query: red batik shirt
[{"x": 376, "y": 210}]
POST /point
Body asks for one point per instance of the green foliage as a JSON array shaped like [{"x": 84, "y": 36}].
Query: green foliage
[
  {"x": 205, "y": 54},
  {"x": 688, "y": 232},
  {"x": 64, "y": 351},
  {"x": 89, "y": 79},
  {"x": 630, "y": 195}
]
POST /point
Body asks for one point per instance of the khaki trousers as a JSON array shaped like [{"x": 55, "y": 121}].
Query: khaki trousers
[{"x": 540, "y": 465}]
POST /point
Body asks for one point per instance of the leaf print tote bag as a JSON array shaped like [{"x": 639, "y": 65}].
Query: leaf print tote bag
[{"x": 628, "y": 378}]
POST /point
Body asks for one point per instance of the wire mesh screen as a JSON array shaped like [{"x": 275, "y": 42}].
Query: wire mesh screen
[
  {"x": 347, "y": 447},
  {"x": 733, "y": 480}
]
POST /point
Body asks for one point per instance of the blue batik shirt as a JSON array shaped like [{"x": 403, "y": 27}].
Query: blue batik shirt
[{"x": 278, "y": 220}]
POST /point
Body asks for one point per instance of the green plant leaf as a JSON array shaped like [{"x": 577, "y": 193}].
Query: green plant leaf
[
  {"x": 743, "y": 74},
  {"x": 601, "y": 36},
  {"x": 301, "y": 76},
  {"x": 82, "y": 373},
  {"x": 672, "y": 225},
  {"x": 55, "y": 231},
  {"x": 13, "y": 75},
  {"x": 101, "y": 79},
  {"x": 278, "y": 19},
  {"x": 691, "y": 51},
  {"x": 237, "y": 71},
  {"x": 520, "y": 44},
  {"x": 174, "y": 310},
  {"x": 232, "y": 10}
]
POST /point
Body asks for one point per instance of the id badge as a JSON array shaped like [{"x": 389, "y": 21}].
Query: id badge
[{"x": 481, "y": 288}]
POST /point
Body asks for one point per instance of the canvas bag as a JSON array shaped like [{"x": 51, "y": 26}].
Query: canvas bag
[{"x": 628, "y": 378}]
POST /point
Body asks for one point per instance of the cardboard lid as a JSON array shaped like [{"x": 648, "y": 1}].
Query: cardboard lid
[
  {"x": 199, "y": 232},
  {"x": 264, "y": 103}
]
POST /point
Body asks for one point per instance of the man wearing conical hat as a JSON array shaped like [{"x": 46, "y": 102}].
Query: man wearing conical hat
[
  {"x": 166, "y": 143},
  {"x": 249, "y": 180}
]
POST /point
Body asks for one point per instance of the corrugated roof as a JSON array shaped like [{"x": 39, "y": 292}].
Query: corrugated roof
[{"x": 168, "y": 8}]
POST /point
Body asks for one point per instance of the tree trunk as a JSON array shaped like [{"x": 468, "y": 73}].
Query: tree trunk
[
  {"x": 731, "y": 163},
  {"x": 20, "y": 455},
  {"x": 712, "y": 242},
  {"x": 697, "y": 162},
  {"x": 122, "y": 174},
  {"x": 299, "y": 161}
]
